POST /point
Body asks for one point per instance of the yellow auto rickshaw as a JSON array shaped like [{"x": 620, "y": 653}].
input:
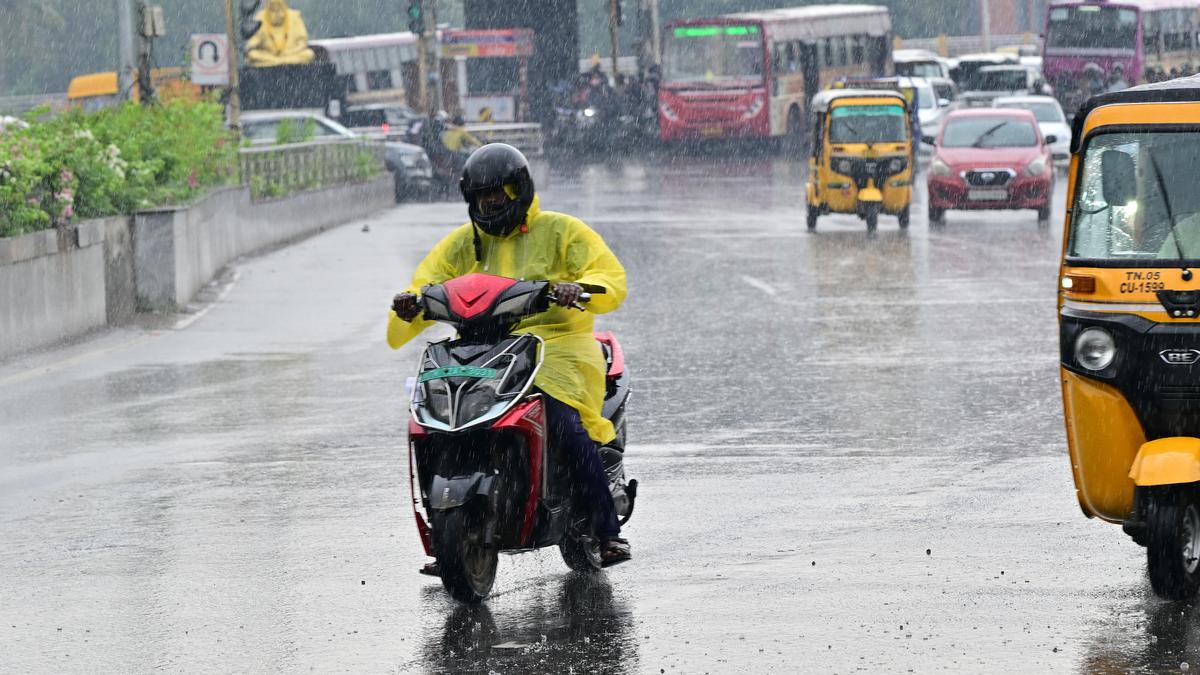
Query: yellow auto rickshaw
[
  {"x": 1129, "y": 322},
  {"x": 861, "y": 161}
]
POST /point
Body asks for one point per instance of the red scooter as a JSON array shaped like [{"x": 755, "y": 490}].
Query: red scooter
[{"x": 484, "y": 478}]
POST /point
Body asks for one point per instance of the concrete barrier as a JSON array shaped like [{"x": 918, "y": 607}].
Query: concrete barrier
[{"x": 60, "y": 284}]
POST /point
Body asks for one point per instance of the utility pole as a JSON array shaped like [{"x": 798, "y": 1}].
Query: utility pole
[
  {"x": 126, "y": 50},
  {"x": 235, "y": 101},
  {"x": 648, "y": 35},
  {"x": 435, "y": 56},
  {"x": 418, "y": 24},
  {"x": 985, "y": 9},
  {"x": 147, "y": 31},
  {"x": 614, "y": 22}
]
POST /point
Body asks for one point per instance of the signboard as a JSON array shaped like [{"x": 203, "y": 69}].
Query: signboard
[
  {"x": 210, "y": 59},
  {"x": 503, "y": 43},
  {"x": 489, "y": 108}
]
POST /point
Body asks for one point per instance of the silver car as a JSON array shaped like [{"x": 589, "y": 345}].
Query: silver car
[{"x": 1050, "y": 119}]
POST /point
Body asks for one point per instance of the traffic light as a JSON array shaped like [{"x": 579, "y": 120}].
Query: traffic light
[
  {"x": 416, "y": 17},
  {"x": 249, "y": 23}
]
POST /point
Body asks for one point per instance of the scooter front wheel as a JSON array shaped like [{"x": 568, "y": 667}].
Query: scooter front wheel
[
  {"x": 467, "y": 565},
  {"x": 581, "y": 552},
  {"x": 1173, "y": 541}
]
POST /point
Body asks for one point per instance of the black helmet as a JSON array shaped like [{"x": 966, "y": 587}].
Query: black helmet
[{"x": 490, "y": 168}]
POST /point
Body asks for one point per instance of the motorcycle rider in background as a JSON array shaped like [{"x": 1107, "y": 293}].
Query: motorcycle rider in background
[{"x": 509, "y": 235}]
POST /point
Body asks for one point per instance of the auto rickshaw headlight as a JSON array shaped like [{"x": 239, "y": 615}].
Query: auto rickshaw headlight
[
  {"x": 896, "y": 164},
  {"x": 843, "y": 165},
  {"x": 1095, "y": 349},
  {"x": 939, "y": 168}
]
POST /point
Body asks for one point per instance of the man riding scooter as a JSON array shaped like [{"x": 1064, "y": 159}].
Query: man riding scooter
[{"x": 509, "y": 235}]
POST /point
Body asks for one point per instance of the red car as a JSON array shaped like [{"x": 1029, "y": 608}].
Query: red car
[{"x": 990, "y": 158}]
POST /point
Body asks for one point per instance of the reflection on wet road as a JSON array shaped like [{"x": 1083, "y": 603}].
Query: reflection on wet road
[{"x": 850, "y": 451}]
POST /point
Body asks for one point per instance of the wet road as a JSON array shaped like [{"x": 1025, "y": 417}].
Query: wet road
[{"x": 850, "y": 450}]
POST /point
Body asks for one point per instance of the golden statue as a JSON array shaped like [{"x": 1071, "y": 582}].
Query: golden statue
[{"x": 282, "y": 39}]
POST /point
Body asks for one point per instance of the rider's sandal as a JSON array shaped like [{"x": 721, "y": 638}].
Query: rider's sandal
[
  {"x": 614, "y": 552},
  {"x": 431, "y": 569}
]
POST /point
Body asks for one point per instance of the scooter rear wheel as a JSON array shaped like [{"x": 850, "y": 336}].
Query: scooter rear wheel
[
  {"x": 467, "y": 565},
  {"x": 1173, "y": 541}
]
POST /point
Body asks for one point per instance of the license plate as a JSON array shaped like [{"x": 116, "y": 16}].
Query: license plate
[
  {"x": 710, "y": 131},
  {"x": 987, "y": 195}
]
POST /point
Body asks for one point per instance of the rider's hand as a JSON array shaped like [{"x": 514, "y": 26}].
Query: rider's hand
[
  {"x": 405, "y": 306},
  {"x": 567, "y": 294}
]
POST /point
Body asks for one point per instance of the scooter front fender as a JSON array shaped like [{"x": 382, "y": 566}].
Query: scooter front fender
[
  {"x": 449, "y": 493},
  {"x": 1167, "y": 461},
  {"x": 870, "y": 194}
]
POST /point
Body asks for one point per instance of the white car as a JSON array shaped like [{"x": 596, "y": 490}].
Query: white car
[
  {"x": 1050, "y": 118},
  {"x": 919, "y": 63},
  {"x": 931, "y": 108}
]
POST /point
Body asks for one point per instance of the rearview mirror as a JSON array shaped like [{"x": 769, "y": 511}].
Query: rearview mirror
[
  {"x": 1052, "y": 139},
  {"x": 928, "y": 140},
  {"x": 943, "y": 103},
  {"x": 1119, "y": 182}
]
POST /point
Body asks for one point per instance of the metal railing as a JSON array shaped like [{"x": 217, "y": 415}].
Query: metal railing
[
  {"x": 19, "y": 105},
  {"x": 277, "y": 170},
  {"x": 526, "y": 137},
  {"x": 957, "y": 45}
]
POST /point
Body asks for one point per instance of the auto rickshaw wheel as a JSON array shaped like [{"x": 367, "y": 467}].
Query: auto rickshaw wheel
[
  {"x": 810, "y": 215},
  {"x": 1173, "y": 541},
  {"x": 872, "y": 217},
  {"x": 903, "y": 217}
]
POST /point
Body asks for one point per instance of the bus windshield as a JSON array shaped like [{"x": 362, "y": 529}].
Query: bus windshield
[
  {"x": 713, "y": 54},
  {"x": 1092, "y": 27},
  {"x": 868, "y": 124},
  {"x": 1163, "y": 186}
]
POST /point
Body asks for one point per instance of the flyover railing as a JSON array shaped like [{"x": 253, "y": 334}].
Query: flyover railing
[
  {"x": 277, "y": 170},
  {"x": 526, "y": 137},
  {"x": 957, "y": 45}
]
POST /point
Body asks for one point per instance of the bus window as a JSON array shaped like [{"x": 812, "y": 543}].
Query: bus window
[{"x": 1092, "y": 26}]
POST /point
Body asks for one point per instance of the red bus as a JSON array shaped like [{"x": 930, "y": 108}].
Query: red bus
[
  {"x": 1087, "y": 40},
  {"x": 751, "y": 75}
]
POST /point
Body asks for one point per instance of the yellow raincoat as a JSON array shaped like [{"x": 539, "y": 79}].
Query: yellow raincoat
[{"x": 555, "y": 248}]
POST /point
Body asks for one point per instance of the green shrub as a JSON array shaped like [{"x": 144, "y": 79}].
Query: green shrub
[{"x": 119, "y": 160}]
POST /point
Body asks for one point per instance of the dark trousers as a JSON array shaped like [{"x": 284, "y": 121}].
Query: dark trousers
[{"x": 591, "y": 481}]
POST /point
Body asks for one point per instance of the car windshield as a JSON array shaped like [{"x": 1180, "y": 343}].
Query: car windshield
[
  {"x": 713, "y": 54},
  {"x": 1136, "y": 225},
  {"x": 920, "y": 69},
  {"x": 989, "y": 132},
  {"x": 1001, "y": 80},
  {"x": 1043, "y": 111},
  {"x": 867, "y": 124}
]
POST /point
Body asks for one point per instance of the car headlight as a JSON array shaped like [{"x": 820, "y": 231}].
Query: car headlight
[
  {"x": 1095, "y": 349},
  {"x": 668, "y": 112},
  {"x": 1037, "y": 167},
  {"x": 589, "y": 112},
  {"x": 842, "y": 165},
  {"x": 409, "y": 160},
  {"x": 939, "y": 168},
  {"x": 755, "y": 108}
]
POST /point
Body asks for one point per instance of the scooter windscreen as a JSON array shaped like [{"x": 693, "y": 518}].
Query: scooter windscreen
[{"x": 467, "y": 383}]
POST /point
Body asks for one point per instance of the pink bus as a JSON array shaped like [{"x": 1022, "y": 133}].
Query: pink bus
[
  {"x": 752, "y": 74},
  {"x": 1086, "y": 40}
]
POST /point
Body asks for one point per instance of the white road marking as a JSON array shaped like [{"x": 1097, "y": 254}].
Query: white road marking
[{"x": 760, "y": 285}]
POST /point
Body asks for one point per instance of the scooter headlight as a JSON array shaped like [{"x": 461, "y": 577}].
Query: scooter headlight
[
  {"x": 1095, "y": 349},
  {"x": 437, "y": 400}
]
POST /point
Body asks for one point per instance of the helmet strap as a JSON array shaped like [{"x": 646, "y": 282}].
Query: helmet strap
[{"x": 478, "y": 242}]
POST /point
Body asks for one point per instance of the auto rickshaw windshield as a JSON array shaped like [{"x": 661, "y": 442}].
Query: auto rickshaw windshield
[
  {"x": 1131, "y": 188},
  {"x": 868, "y": 124}
]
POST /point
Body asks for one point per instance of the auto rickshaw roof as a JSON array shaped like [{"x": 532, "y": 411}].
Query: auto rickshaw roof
[
  {"x": 1179, "y": 90},
  {"x": 822, "y": 101}
]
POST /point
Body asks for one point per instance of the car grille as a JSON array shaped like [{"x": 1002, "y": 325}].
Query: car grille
[{"x": 988, "y": 177}]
